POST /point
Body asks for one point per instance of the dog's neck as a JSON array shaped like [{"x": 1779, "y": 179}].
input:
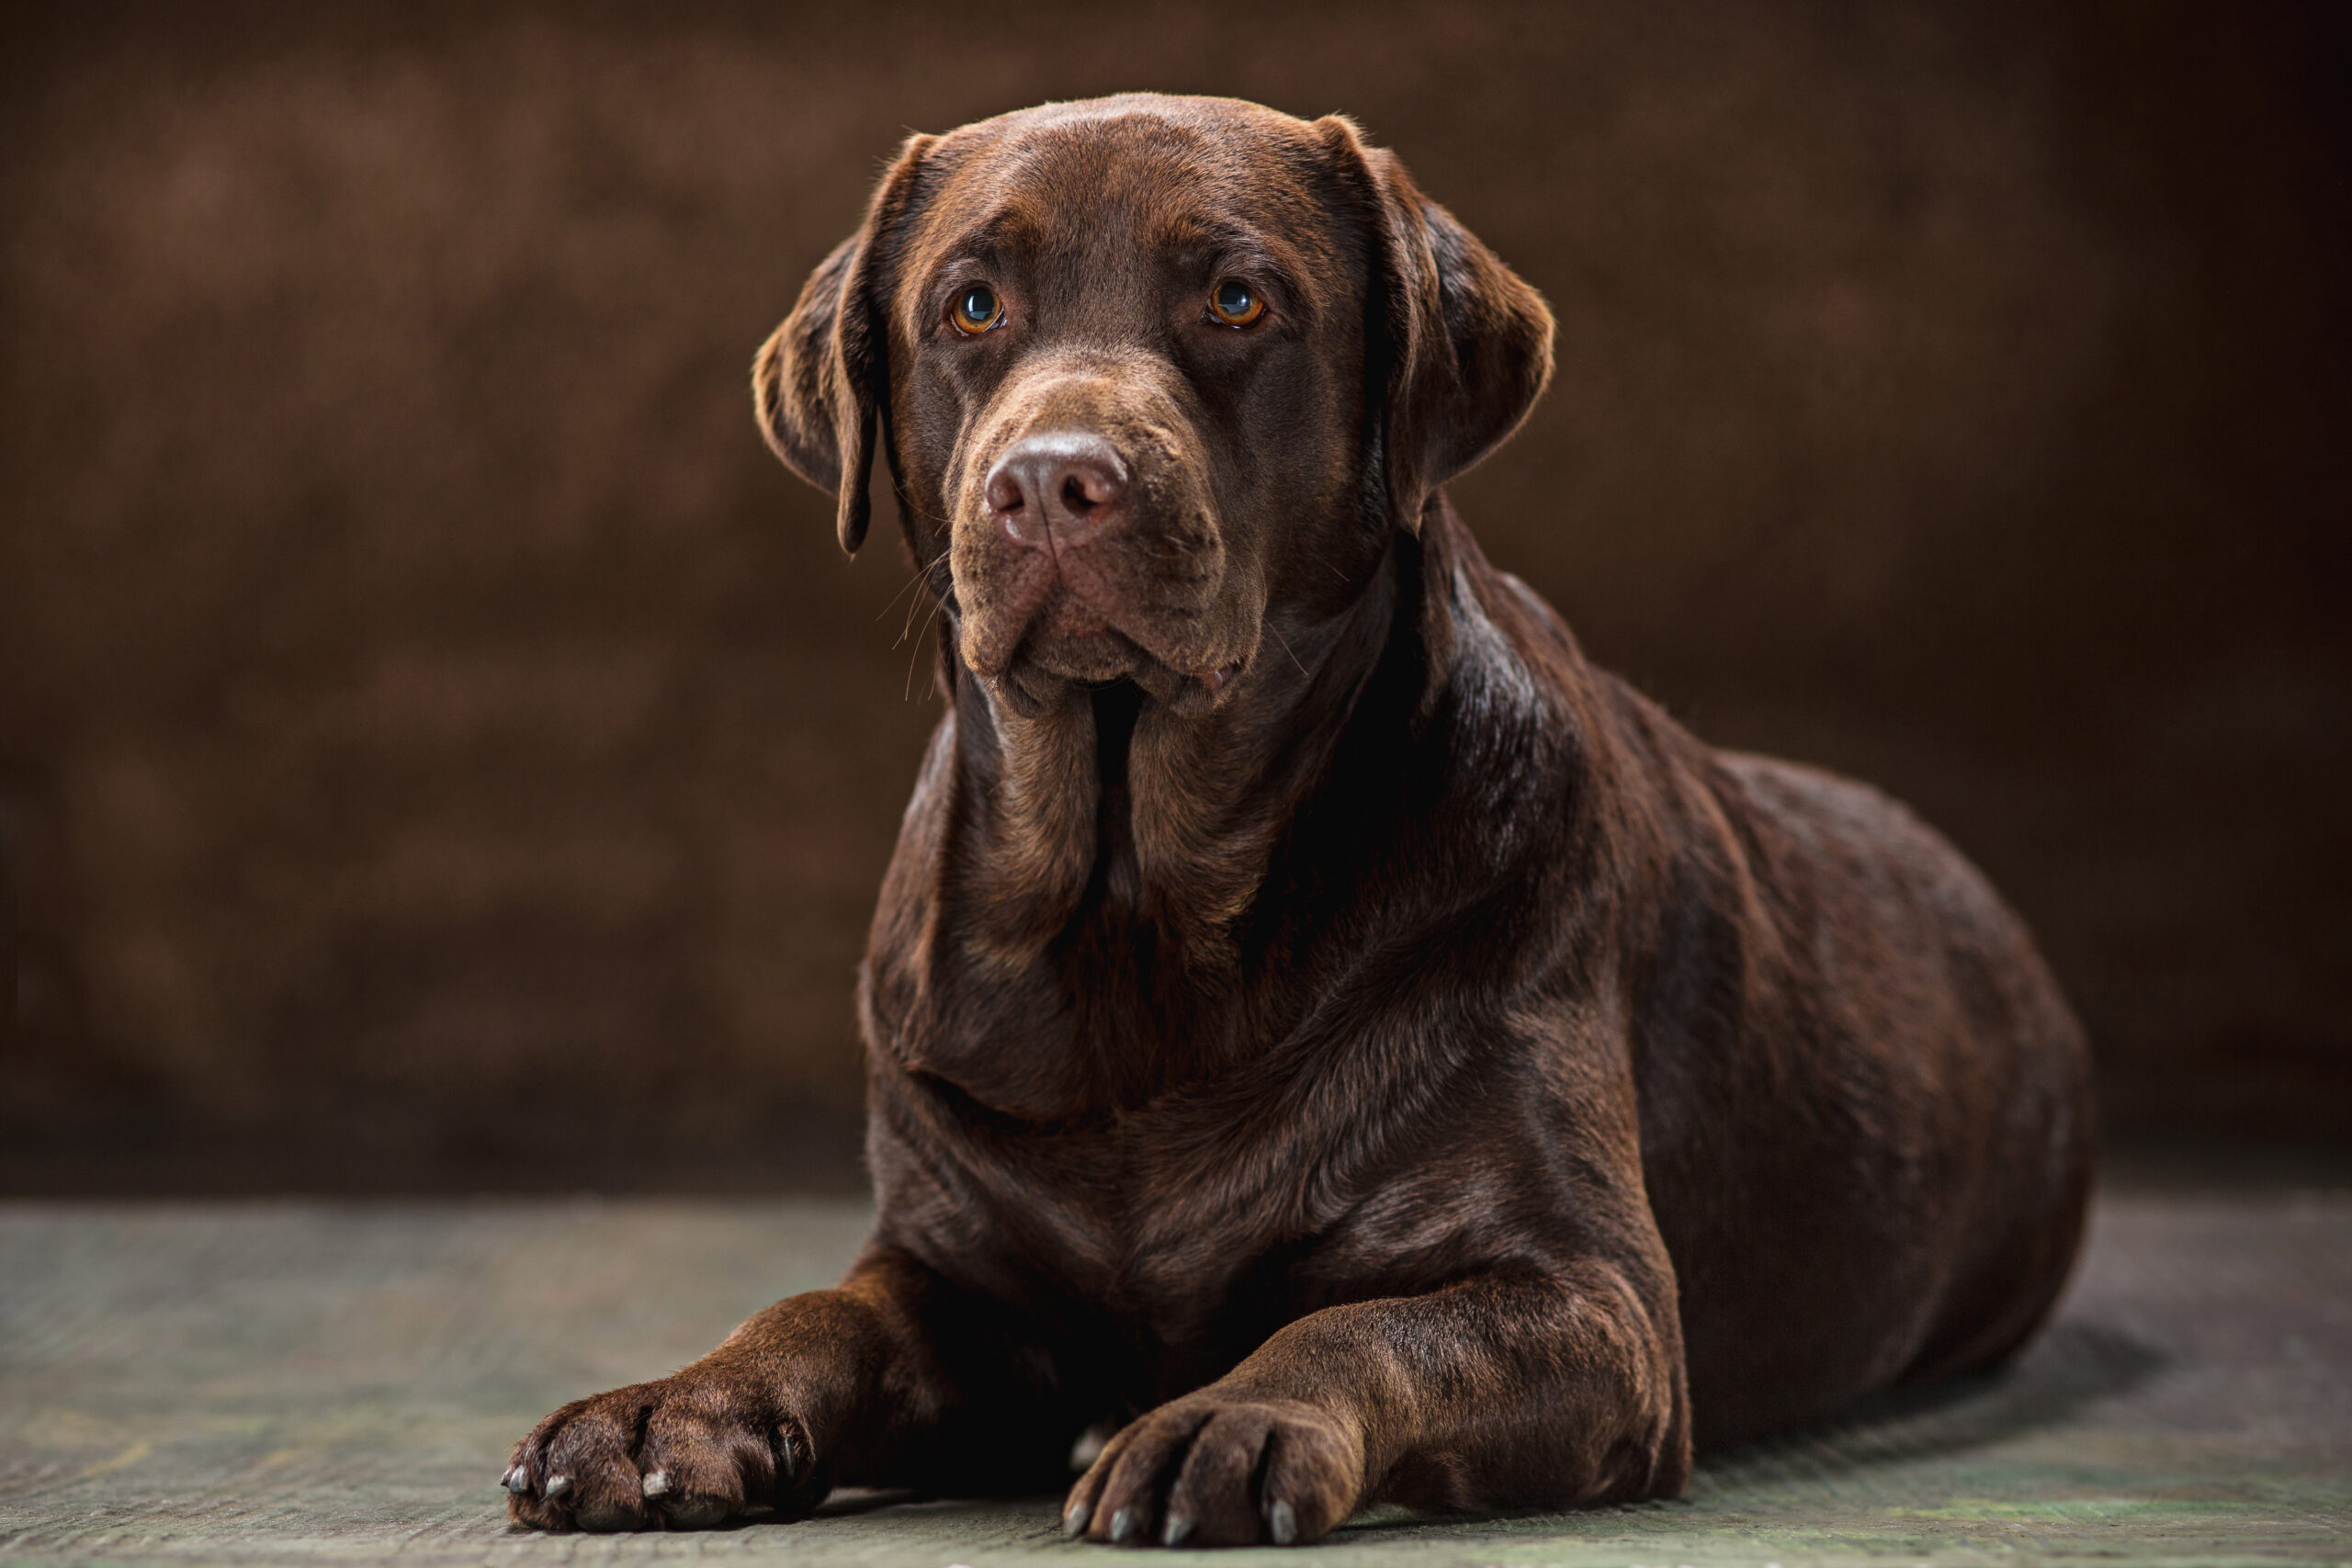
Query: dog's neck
[
  {"x": 1112, "y": 807},
  {"x": 1119, "y": 884}
]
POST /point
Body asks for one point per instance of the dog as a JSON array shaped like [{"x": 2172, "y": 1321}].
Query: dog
[{"x": 1318, "y": 1024}]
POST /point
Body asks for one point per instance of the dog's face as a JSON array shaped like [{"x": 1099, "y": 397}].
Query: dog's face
[{"x": 1146, "y": 368}]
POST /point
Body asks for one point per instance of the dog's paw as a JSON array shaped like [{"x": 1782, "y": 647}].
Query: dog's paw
[
  {"x": 1212, "y": 1470},
  {"x": 683, "y": 1454}
]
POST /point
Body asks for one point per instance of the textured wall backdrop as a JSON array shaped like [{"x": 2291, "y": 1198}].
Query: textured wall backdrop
[{"x": 433, "y": 730}]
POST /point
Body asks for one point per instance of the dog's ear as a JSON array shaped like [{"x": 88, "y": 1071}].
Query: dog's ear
[
  {"x": 1457, "y": 346},
  {"x": 822, "y": 378}
]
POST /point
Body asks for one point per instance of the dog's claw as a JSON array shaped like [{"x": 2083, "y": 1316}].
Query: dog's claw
[
  {"x": 1074, "y": 1519},
  {"x": 1282, "y": 1522},
  {"x": 656, "y": 1485},
  {"x": 787, "y": 1455},
  {"x": 1179, "y": 1527},
  {"x": 514, "y": 1481},
  {"x": 558, "y": 1485},
  {"x": 1123, "y": 1525}
]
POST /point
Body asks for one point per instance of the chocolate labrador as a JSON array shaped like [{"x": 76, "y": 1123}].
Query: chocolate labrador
[{"x": 1318, "y": 1024}]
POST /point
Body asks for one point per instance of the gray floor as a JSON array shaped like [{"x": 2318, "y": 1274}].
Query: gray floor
[{"x": 258, "y": 1383}]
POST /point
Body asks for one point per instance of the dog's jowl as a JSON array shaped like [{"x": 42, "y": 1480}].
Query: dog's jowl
[{"x": 1319, "y": 1025}]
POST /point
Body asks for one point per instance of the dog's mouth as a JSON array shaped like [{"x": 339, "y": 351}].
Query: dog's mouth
[
  {"x": 1075, "y": 648},
  {"x": 1038, "y": 629}
]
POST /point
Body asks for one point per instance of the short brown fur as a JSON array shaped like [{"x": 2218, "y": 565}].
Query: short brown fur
[{"x": 1316, "y": 1022}]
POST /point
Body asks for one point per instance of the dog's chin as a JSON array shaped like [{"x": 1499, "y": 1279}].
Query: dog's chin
[
  {"x": 1066, "y": 645},
  {"x": 1052, "y": 668},
  {"x": 1039, "y": 641},
  {"x": 1046, "y": 671},
  {"x": 1088, "y": 658}
]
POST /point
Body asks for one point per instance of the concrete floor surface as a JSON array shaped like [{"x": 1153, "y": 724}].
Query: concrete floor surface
[{"x": 265, "y": 1383}]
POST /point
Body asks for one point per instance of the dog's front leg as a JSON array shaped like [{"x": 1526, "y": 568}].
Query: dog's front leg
[
  {"x": 864, "y": 1383},
  {"x": 1501, "y": 1392}
]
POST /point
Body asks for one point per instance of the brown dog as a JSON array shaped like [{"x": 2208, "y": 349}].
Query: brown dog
[{"x": 1314, "y": 1017}]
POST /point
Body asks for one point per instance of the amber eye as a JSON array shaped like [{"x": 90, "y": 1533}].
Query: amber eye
[
  {"x": 975, "y": 310},
  {"x": 1235, "y": 303}
]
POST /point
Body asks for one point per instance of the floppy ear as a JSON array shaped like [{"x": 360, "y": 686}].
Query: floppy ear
[
  {"x": 1457, "y": 346},
  {"x": 822, "y": 380}
]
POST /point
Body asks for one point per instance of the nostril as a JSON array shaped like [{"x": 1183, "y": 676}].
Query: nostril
[
  {"x": 1003, "y": 493},
  {"x": 1087, "y": 487}
]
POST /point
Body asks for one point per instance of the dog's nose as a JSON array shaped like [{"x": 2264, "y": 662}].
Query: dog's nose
[{"x": 1067, "y": 485}]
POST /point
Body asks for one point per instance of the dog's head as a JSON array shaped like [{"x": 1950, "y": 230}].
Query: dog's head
[{"x": 1143, "y": 369}]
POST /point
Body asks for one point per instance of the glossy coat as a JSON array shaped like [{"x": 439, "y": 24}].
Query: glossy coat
[{"x": 1318, "y": 1024}]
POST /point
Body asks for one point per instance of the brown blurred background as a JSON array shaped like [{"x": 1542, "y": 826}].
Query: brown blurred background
[{"x": 439, "y": 747}]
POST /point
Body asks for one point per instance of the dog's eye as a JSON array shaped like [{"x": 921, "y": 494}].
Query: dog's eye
[
  {"x": 975, "y": 310},
  {"x": 1235, "y": 303}
]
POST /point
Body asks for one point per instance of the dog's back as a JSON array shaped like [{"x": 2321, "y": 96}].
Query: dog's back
[{"x": 1865, "y": 1105}]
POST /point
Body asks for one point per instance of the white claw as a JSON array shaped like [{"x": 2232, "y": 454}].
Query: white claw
[
  {"x": 558, "y": 1485},
  {"x": 1281, "y": 1523},
  {"x": 514, "y": 1481},
  {"x": 657, "y": 1483}
]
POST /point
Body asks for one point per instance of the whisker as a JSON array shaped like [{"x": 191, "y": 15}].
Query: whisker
[
  {"x": 1286, "y": 647},
  {"x": 907, "y": 694},
  {"x": 921, "y": 575},
  {"x": 920, "y": 572}
]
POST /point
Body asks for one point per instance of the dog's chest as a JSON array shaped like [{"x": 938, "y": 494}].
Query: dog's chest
[
  {"x": 1128, "y": 1228},
  {"x": 1183, "y": 1248},
  {"x": 1092, "y": 1030},
  {"x": 1115, "y": 1125}
]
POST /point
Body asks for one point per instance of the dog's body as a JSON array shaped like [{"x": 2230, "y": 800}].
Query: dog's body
[{"x": 1314, "y": 1016}]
